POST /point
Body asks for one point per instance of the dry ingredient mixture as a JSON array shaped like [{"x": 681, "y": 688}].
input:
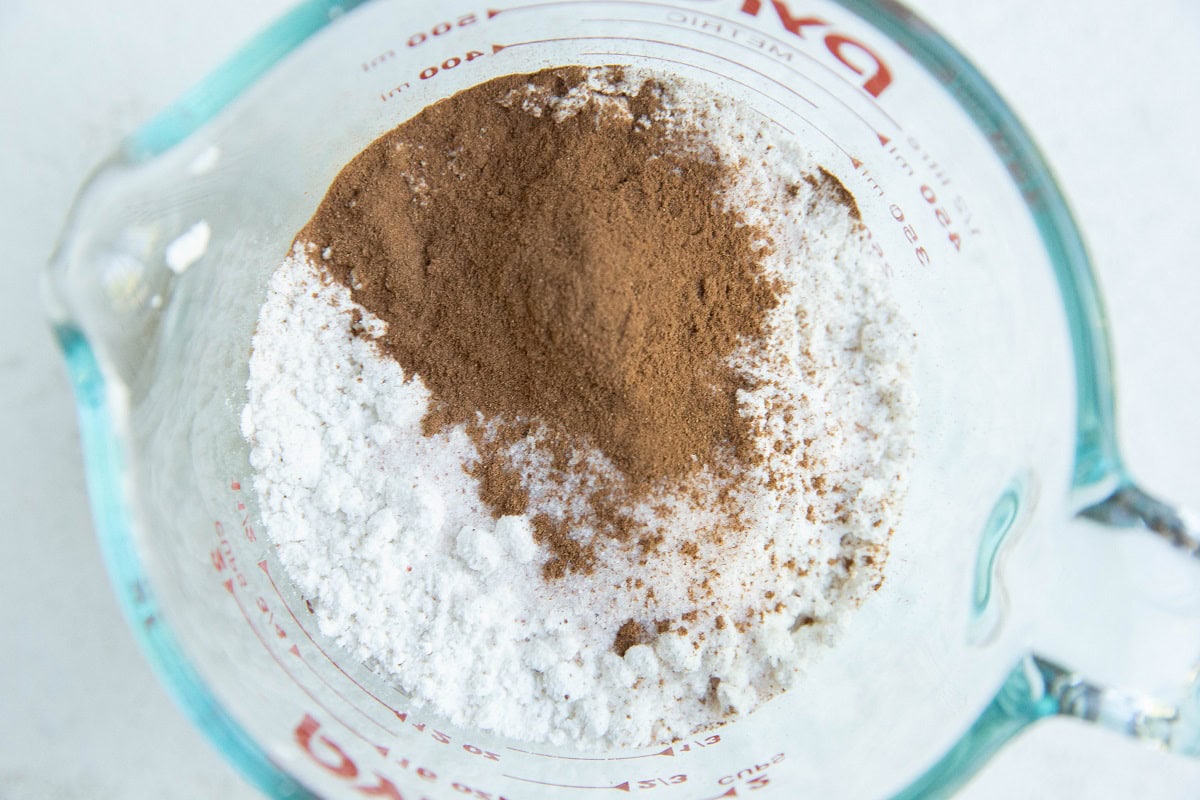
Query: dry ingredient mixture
[{"x": 579, "y": 409}]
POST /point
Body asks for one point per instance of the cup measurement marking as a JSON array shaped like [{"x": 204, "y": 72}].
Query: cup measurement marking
[
  {"x": 264, "y": 567},
  {"x": 228, "y": 584},
  {"x": 626, "y": 786},
  {"x": 785, "y": 17},
  {"x": 919, "y": 251},
  {"x": 687, "y": 19},
  {"x": 668, "y": 751},
  {"x": 786, "y": 64},
  {"x": 295, "y": 650},
  {"x": 498, "y": 47},
  {"x": 395, "y": 90},
  {"x": 722, "y": 75},
  {"x": 620, "y": 787},
  {"x": 223, "y": 560},
  {"x": 796, "y": 26},
  {"x": 403, "y": 716},
  {"x": 835, "y": 42},
  {"x": 801, "y": 117},
  {"x": 701, "y": 51},
  {"x": 754, "y": 776},
  {"x": 308, "y": 733},
  {"x": 226, "y": 560},
  {"x": 240, "y": 507},
  {"x": 833, "y": 73}
]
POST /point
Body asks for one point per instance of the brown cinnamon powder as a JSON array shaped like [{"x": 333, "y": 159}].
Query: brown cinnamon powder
[
  {"x": 629, "y": 634},
  {"x": 573, "y": 284}
]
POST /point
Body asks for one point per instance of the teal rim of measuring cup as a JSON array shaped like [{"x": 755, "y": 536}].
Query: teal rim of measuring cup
[
  {"x": 104, "y": 467},
  {"x": 202, "y": 102},
  {"x": 1097, "y": 458}
]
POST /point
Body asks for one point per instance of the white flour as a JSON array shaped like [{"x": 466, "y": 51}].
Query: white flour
[{"x": 383, "y": 529}]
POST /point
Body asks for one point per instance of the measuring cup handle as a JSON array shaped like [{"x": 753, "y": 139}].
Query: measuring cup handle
[
  {"x": 1173, "y": 726},
  {"x": 1130, "y": 507},
  {"x": 1162, "y": 592},
  {"x": 1040, "y": 686},
  {"x": 1160, "y": 588}
]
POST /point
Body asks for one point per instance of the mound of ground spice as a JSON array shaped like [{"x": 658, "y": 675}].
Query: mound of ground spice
[
  {"x": 584, "y": 435},
  {"x": 572, "y": 278}
]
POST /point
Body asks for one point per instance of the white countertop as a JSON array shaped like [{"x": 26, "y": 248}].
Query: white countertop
[{"x": 1112, "y": 92}]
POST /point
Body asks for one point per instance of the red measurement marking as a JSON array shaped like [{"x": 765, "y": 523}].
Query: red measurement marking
[
  {"x": 802, "y": 118},
  {"x": 263, "y": 566},
  {"x": 670, "y": 751},
  {"x": 722, "y": 75},
  {"x": 762, "y": 75},
  {"x": 880, "y": 78},
  {"x": 620, "y": 787},
  {"x": 730, "y": 792},
  {"x": 450, "y": 63},
  {"x": 235, "y": 486},
  {"x": 295, "y": 650},
  {"x": 275, "y": 657},
  {"x": 686, "y": 26},
  {"x": 493, "y": 12},
  {"x": 441, "y": 29},
  {"x": 755, "y": 776},
  {"x": 479, "y": 751},
  {"x": 343, "y": 766}
]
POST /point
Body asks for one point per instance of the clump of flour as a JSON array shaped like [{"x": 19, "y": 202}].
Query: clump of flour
[{"x": 381, "y": 526}]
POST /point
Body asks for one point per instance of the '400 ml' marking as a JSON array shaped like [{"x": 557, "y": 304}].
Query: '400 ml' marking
[{"x": 449, "y": 63}]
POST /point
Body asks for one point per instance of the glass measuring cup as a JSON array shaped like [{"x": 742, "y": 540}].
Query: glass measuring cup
[{"x": 996, "y": 446}]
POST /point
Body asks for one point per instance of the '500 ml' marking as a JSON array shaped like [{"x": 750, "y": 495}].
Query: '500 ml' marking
[{"x": 441, "y": 29}]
